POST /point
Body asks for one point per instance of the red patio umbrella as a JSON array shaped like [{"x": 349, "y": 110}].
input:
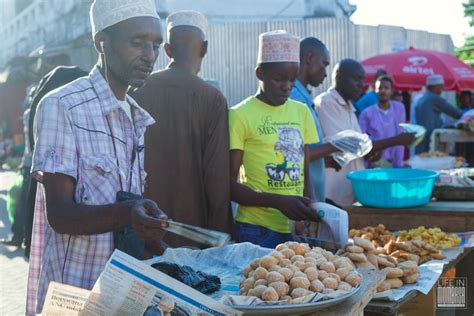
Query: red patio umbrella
[{"x": 409, "y": 69}]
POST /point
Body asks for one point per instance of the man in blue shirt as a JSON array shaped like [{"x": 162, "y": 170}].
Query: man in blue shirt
[
  {"x": 314, "y": 59},
  {"x": 370, "y": 98}
]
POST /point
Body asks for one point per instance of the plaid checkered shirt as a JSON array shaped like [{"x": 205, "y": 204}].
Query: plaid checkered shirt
[{"x": 73, "y": 138}]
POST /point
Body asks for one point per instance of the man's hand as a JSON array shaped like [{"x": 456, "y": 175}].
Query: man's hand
[
  {"x": 331, "y": 163},
  {"x": 374, "y": 155},
  {"x": 406, "y": 139},
  {"x": 148, "y": 220},
  {"x": 296, "y": 208}
]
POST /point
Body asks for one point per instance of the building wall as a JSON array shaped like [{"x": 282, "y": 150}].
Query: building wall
[{"x": 232, "y": 45}]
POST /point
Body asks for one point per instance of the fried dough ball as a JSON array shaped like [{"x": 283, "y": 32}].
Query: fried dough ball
[
  {"x": 293, "y": 268},
  {"x": 300, "y": 292},
  {"x": 316, "y": 286},
  {"x": 274, "y": 277},
  {"x": 296, "y": 258},
  {"x": 274, "y": 267},
  {"x": 322, "y": 275},
  {"x": 355, "y": 249},
  {"x": 310, "y": 260},
  {"x": 260, "y": 273},
  {"x": 343, "y": 263},
  {"x": 301, "y": 249},
  {"x": 299, "y": 282},
  {"x": 384, "y": 286},
  {"x": 335, "y": 276},
  {"x": 308, "y": 265},
  {"x": 247, "y": 270},
  {"x": 287, "y": 273},
  {"x": 288, "y": 253},
  {"x": 330, "y": 283},
  {"x": 395, "y": 283},
  {"x": 311, "y": 274},
  {"x": 328, "y": 267},
  {"x": 267, "y": 261},
  {"x": 364, "y": 243},
  {"x": 255, "y": 264},
  {"x": 248, "y": 283},
  {"x": 257, "y": 291},
  {"x": 300, "y": 265},
  {"x": 282, "y": 288},
  {"x": 270, "y": 294},
  {"x": 299, "y": 274},
  {"x": 261, "y": 282},
  {"x": 280, "y": 247},
  {"x": 285, "y": 262},
  {"x": 327, "y": 291},
  {"x": 409, "y": 279},
  {"x": 277, "y": 255},
  {"x": 344, "y": 286},
  {"x": 357, "y": 257},
  {"x": 343, "y": 272},
  {"x": 353, "y": 278},
  {"x": 393, "y": 272}
]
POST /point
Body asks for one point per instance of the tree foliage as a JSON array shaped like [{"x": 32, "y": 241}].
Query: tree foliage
[{"x": 466, "y": 53}]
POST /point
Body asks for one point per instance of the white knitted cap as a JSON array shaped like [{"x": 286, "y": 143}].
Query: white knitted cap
[
  {"x": 187, "y": 18},
  {"x": 105, "y": 13}
]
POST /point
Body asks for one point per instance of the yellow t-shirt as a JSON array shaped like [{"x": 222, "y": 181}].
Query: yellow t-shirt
[{"x": 272, "y": 139}]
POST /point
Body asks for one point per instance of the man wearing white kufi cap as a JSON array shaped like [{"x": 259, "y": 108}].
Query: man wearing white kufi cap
[
  {"x": 88, "y": 157},
  {"x": 429, "y": 108},
  {"x": 269, "y": 134},
  {"x": 188, "y": 150}
]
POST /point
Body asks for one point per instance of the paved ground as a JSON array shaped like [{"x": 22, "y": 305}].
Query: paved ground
[{"x": 13, "y": 265}]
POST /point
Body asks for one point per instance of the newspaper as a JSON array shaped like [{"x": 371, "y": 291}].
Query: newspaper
[
  {"x": 430, "y": 272},
  {"x": 128, "y": 286},
  {"x": 331, "y": 233},
  {"x": 64, "y": 300}
]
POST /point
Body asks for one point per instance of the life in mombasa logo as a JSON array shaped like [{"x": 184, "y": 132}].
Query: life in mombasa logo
[{"x": 416, "y": 66}]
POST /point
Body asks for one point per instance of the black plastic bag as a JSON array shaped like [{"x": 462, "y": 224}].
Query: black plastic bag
[{"x": 203, "y": 282}]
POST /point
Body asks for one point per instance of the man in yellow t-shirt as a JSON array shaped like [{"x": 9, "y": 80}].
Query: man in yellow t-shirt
[{"x": 269, "y": 134}]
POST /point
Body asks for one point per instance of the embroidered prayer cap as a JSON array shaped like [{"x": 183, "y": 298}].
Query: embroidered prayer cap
[
  {"x": 278, "y": 46},
  {"x": 187, "y": 18},
  {"x": 105, "y": 13}
]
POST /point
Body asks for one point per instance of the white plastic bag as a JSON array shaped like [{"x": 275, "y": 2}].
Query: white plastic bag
[{"x": 352, "y": 145}]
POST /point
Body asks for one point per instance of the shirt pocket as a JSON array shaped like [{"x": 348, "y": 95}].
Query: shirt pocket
[{"x": 99, "y": 181}]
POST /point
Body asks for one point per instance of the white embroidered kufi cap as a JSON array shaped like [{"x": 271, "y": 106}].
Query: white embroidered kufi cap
[
  {"x": 105, "y": 13},
  {"x": 278, "y": 46},
  {"x": 187, "y": 18}
]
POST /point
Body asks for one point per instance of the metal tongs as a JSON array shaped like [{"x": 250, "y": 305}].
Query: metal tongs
[{"x": 201, "y": 235}]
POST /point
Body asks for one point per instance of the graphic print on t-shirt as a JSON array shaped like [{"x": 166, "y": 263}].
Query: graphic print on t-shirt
[{"x": 289, "y": 159}]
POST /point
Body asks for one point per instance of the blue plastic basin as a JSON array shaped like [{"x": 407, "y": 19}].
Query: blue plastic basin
[{"x": 393, "y": 188}]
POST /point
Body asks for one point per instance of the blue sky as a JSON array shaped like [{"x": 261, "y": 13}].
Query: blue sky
[{"x": 436, "y": 16}]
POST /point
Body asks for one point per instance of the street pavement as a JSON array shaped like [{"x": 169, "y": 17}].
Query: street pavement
[{"x": 13, "y": 265}]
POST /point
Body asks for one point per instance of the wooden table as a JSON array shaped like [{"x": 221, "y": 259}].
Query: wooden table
[{"x": 450, "y": 216}]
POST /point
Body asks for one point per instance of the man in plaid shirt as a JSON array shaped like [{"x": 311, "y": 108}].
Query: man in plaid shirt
[{"x": 89, "y": 141}]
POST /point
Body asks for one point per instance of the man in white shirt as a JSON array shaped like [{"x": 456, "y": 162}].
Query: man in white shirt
[{"x": 337, "y": 113}]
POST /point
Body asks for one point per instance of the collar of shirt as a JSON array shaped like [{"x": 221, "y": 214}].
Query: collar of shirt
[
  {"x": 304, "y": 93},
  {"x": 109, "y": 103},
  {"x": 339, "y": 99},
  {"x": 384, "y": 112}
]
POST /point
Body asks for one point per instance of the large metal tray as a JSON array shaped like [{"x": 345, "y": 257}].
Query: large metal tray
[{"x": 291, "y": 309}]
